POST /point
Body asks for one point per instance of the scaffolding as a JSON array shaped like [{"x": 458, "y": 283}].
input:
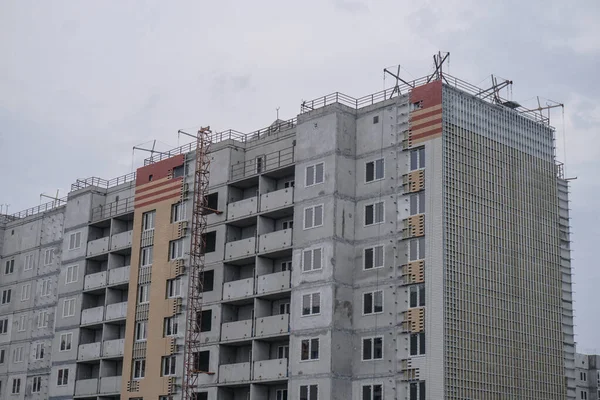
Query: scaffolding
[{"x": 196, "y": 270}]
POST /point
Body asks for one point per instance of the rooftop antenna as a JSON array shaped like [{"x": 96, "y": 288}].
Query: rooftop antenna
[
  {"x": 54, "y": 199},
  {"x": 277, "y": 113},
  {"x": 438, "y": 62},
  {"x": 151, "y": 151},
  {"x": 396, "y": 75}
]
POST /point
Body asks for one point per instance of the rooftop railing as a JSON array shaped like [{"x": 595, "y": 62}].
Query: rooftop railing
[
  {"x": 103, "y": 183},
  {"x": 229, "y": 134},
  {"x": 5, "y": 218}
]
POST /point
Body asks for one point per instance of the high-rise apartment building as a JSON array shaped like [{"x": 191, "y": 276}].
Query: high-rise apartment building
[
  {"x": 410, "y": 245},
  {"x": 587, "y": 373}
]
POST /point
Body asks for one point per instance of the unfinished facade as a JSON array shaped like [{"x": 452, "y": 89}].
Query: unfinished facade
[{"x": 406, "y": 245}]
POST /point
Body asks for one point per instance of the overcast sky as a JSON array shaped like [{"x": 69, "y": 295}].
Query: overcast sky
[{"x": 81, "y": 82}]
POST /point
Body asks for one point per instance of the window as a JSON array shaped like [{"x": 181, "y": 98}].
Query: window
[
  {"x": 202, "y": 361},
  {"x": 373, "y": 257},
  {"x": 26, "y": 292},
  {"x": 141, "y": 331},
  {"x": 312, "y": 259},
  {"x": 374, "y": 213},
  {"x": 48, "y": 256},
  {"x": 18, "y": 354},
  {"x": 21, "y": 323},
  {"x": 260, "y": 160},
  {"x": 309, "y": 349},
  {"x": 139, "y": 369},
  {"x": 210, "y": 241},
  {"x": 284, "y": 308},
  {"x": 69, "y": 307},
  {"x": 179, "y": 171},
  {"x": 173, "y": 288},
  {"x": 207, "y": 279},
  {"x": 314, "y": 174},
  {"x": 372, "y": 392},
  {"x": 3, "y": 326},
  {"x": 148, "y": 220},
  {"x": 417, "y": 203},
  {"x": 65, "y": 341},
  {"x": 212, "y": 202},
  {"x": 168, "y": 365},
  {"x": 313, "y": 216},
  {"x": 287, "y": 224},
  {"x": 147, "y": 256},
  {"x": 584, "y": 395},
  {"x": 309, "y": 392},
  {"x": 43, "y": 318},
  {"x": 36, "y": 386},
  {"x": 46, "y": 287},
  {"x": 283, "y": 352},
  {"x": 373, "y": 302},
  {"x": 416, "y": 249},
  {"x": 372, "y": 348},
  {"x": 63, "y": 377},
  {"x": 170, "y": 326},
  {"x": 6, "y": 296},
  {"x": 204, "y": 320},
  {"x": 281, "y": 394},
  {"x": 72, "y": 274},
  {"x": 417, "y": 391},
  {"x": 417, "y": 159},
  {"x": 289, "y": 184},
  {"x": 74, "y": 241},
  {"x": 28, "y": 262},
  {"x": 417, "y": 296},
  {"x": 143, "y": 293},
  {"x": 311, "y": 304},
  {"x": 16, "y": 386},
  {"x": 2, "y": 357},
  {"x": 286, "y": 266},
  {"x": 176, "y": 249},
  {"x": 201, "y": 396},
  {"x": 375, "y": 119},
  {"x": 417, "y": 105},
  {"x": 374, "y": 170},
  {"x": 417, "y": 344},
  {"x": 39, "y": 351},
  {"x": 178, "y": 212},
  {"x": 583, "y": 376},
  {"x": 9, "y": 267}
]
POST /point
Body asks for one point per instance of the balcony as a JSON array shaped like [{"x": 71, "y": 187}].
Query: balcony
[
  {"x": 110, "y": 384},
  {"x": 277, "y": 199},
  {"x": 271, "y": 369},
  {"x": 118, "y": 275},
  {"x": 240, "y": 248},
  {"x": 98, "y": 246},
  {"x": 234, "y": 372},
  {"x": 242, "y": 208},
  {"x": 92, "y": 315},
  {"x": 95, "y": 281},
  {"x": 116, "y": 311},
  {"x": 113, "y": 348},
  {"x": 238, "y": 289},
  {"x": 274, "y": 241},
  {"x": 89, "y": 351},
  {"x": 236, "y": 330},
  {"x": 273, "y": 325},
  {"x": 275, "y": 282},
  {"x": 84, "y": 387},
  {"x": 121, "y": 240}
]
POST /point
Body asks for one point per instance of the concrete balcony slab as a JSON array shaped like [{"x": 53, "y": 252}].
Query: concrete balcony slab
[
  {"x": 92, "y": 315},
  {"x": 88, "y": 351},
  {"x": 273, "y": 325},
  {"x": 274, "y": 241},
  {"x": 98, "y": 246},
  {"x": 84, "y": 387},
  {"x": 271, "y": 369},
  {"x": 236, "y": 330},
  {"x": 240, "y": 248},
  {"x": 121, "y": 240},
  {"x": 113, "y": 348},
  {"x": 275, "y": 282},
  {"x": 234, "y": 372},
  {"x": 95, "y": 281},
  {"x": 116, "y": 311},
  {"x": 277, "y": 199},
  {"x": 118, "y": 275},
  {"x": 242, "y": 208},
  {"x": 238, "y": 289},
  {"x": 110, "y": 384}
]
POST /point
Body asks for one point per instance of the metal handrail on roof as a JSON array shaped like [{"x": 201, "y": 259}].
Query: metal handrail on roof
[
  {"x": 103, "y": 183},
  {"x": 5, "y": 218}
]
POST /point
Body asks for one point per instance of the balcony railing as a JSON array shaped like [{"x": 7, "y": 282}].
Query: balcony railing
[
  {"x": 272, "y": 325},
  {"x": 116, "y": 311},
  {"x": 84, "y": 387},
  {"x": 110, "y": 384},
  {"x": 236, "y": 330},
  {"x": 92, "y": 315},
  {"x": 270, "y": 161},
  {"x": 238, "y": 289},
  {"x": 103, "y": 183},
  {"x": 95, "y": 281},
  {"x": 113, "y": 209},
  {"x": 271, "y": 369},
  {"x": 274, "y": 282},
  {"x": 234, "y": 372},
  {"x": 118, "y": 275},
  {"x": 113, "y": 348},
  {"x": 240, "y": 248},
  {"x": 89, "y": 351}
]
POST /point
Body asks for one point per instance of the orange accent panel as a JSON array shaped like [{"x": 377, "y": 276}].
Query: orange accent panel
[
  {"x": 425, "y": 111},
  {"x": 174, "y": 195},
  {"x": 160, "y": 190},
  {"x": 421, "y": 121}
]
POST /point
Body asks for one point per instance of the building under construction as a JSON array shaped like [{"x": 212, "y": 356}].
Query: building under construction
[{"x": 410, "y": 244}]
